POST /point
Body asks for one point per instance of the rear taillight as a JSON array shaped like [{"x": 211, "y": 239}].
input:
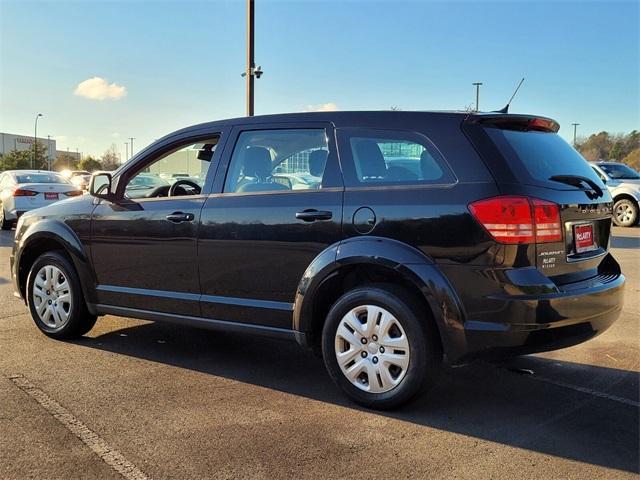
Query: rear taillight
[
  {"x": 73, "y": 193},
  {"x": 21, "y": 192},
  {"x": 519, "y": 219}
]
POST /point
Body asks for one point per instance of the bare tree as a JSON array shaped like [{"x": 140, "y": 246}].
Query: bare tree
[{"x": 110, "y": 159}]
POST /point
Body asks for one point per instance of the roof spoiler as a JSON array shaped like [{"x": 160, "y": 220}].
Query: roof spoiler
[{"x": 522, "y": 123}]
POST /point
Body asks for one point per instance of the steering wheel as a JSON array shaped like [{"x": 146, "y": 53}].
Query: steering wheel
[{"x": 179, "y": 183}]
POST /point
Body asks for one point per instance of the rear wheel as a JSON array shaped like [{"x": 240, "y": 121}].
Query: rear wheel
[
  {"x": 55, "y": 298},
  {"x": 5, "y": 223},
  {"x": 379, "y": 347},
  {"x": 625, "y": 213}
]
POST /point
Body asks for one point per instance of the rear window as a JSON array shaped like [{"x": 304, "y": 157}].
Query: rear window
[
  {"x": 535, "y": 157},
  {"x": 40, "y": 178},
  {"x": 619, "y": 171}
]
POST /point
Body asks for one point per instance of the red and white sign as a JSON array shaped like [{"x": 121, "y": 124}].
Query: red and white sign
[{"x": 583, "y": 237}]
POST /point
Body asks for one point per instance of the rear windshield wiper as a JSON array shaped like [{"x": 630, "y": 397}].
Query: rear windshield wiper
[{"x": 578, "y": 181}]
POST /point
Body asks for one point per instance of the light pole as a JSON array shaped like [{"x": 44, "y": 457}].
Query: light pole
[
  {"x": 35, "y": 140},
  {"x": 477, "y": 84},
  {"x": 49, "y": 152},
  {"x": 575, "y": 131},
  {"x": 131, "y": 138},
  {"x": 126, "y": 157},
  {"x": 252, "y": 70}
]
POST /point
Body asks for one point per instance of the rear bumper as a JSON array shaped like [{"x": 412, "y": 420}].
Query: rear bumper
[{"x": 538, "y": 323}]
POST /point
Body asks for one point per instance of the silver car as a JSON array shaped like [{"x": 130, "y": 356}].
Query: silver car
[
  {"x": 24, "y": 190},
  {"x": 624, "y": 184}
]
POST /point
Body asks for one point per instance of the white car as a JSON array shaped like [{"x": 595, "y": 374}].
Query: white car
[
  {"x": 624, "y": 184},
  {"x": 24, "y": 190}
]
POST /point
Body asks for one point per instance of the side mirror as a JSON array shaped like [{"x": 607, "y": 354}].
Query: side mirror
[{"x": 100, "y": 185}]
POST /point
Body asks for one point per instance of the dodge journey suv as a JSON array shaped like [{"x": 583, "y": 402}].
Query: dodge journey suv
[{"x": 388, "y": 242}]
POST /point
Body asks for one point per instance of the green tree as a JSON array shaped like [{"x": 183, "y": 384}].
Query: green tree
[
  {"x": 89, "y": 164},
  {"x": 22, "y": 159}
]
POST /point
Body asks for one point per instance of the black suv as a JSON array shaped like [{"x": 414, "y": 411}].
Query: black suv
[{"x": 385, "y": 241}]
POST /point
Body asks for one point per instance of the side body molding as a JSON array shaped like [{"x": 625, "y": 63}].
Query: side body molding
[
  {"x": 54, "y": 230},
  {"x": 409, "y": 262}
]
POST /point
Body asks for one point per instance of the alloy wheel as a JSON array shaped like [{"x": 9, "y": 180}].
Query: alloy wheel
[
  {"x": 624, "y": 212},
  {"x": 372, "y": 348}
]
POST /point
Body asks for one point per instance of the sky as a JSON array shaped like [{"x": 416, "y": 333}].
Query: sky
[{"x": 101, "y": 72}]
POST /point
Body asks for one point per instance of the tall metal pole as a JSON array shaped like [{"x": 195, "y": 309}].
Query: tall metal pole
[
  {"x": 35, "y": 141},
  {"x": 126, "y": 157},
  {"x": 250, "y": 55},
  {"x": 575, "y": 131},
  {"x": 131, "y": 138},
  {"x": 49, "y": 152},
  {"x": 477, "y": 84}
]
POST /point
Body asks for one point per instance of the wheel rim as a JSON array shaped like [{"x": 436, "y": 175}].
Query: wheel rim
[
  {"x": 372, "y": 349},
  {"x": 52, "y": 297},
  {"x": 624, "y": 213}
]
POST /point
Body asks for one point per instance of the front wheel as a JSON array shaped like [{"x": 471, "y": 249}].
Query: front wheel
[
  {"x": 379, "y": 346},
  {"x": 55, "y": 298},
  {"x": 625, "y": 213}
]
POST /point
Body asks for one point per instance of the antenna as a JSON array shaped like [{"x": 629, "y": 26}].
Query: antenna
[{"x": 505, "y": 109}]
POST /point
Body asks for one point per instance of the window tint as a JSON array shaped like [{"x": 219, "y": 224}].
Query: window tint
[
  {"x": 540, "y": 155},
  {"x": 388, "y": 158},
  {"x": 271, "y": 160},
  {"x": 187, "y": 164}
]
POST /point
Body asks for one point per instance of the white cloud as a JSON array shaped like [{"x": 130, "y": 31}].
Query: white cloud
[
  {"x": 323, "y": 107},
  {"x": 97, "y": 88}
]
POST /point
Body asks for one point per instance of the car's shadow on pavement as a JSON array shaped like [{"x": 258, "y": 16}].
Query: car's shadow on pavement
[{"x": 490, "y": 402}]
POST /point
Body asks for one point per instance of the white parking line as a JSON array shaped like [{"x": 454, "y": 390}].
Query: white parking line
[{"x": 107, "y": 454}]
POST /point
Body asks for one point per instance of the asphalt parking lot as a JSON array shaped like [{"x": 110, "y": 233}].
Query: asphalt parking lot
[{"x": 135, "y": 399}]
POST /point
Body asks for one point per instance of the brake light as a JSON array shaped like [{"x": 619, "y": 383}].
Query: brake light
[
  {"x": 21, "y": 192},
  {"x": 543, "y": 125},
  {"x": 517, "y": 220},
  {"x": 546, "y": 216},
  {"x": 73, "y": 193}
]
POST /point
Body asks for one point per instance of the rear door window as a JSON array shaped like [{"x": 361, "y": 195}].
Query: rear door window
[{"x": 381, "y": 157}]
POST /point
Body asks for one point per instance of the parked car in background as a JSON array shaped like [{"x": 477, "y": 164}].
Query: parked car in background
[
  {"x": 429, "y": 237},
  {"x": 145, "y": 184},
  {"x": 24, "y": 190},
  {"x": 80, "y": 180},
  {"x": 624, "y": 184}
]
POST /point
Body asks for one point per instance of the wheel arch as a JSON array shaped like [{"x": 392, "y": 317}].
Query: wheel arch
[
  {"x": 364, "y": 260},
  {"x": 52, "y": 235}
]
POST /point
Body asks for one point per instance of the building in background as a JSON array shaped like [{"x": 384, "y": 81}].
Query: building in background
[{"x": 10, "y": 141}]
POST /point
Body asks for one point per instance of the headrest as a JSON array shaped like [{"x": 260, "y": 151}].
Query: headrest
[
  {"x": 257, "y": 162},
  {"x": 370, "y": 159},
  {"x": 317, "y": 161}
]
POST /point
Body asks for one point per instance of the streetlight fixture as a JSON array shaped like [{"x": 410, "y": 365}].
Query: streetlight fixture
[
  {"x": 49, "y": 152},
  {"x": 575, "y": 131},
  {"x": 126, "y": 157},
  {"x": 132, "y": 139},
  {"x": 477, "y": 85},
  {"x": 35, "y": 140}
]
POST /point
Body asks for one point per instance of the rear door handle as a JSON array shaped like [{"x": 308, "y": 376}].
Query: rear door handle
[
  {"x": 311, "y": 215},
  {"x": 179, "y": 217}
]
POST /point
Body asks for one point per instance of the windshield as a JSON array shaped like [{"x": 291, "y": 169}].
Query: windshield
[
  {"x": 538, "y": 157},
  {"x": 619, "y": 171},
  {"x": 40, "y": 178}
]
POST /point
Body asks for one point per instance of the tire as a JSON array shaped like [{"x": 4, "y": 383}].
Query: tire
[
  {"x": 402, "y": 324},
  {"x": 57, "y": 308},
  {"x": 625, "y": 213},
  {"x": 5, "y": 223}
]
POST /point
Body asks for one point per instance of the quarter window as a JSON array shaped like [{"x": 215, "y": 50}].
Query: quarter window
[
  {"x": 389, "y": 158},
  {"x": 278, "y": 160}
]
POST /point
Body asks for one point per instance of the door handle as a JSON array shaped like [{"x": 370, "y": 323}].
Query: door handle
[
  {"x": 311, "y": 215},
  {"x": 179, "y": 217}
]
